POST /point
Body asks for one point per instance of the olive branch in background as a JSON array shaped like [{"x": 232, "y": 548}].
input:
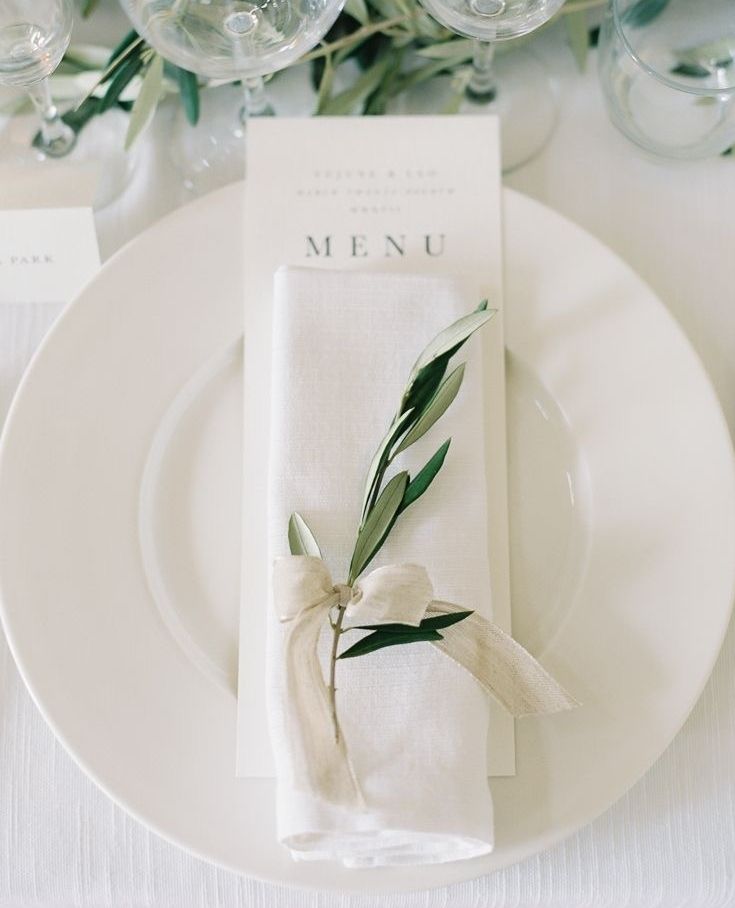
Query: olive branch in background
[
  {"x": 395, "y": 45},
  {"x": 426, "y": 397}
]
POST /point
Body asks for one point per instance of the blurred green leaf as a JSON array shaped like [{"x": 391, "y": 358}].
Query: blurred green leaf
[
  {"x": 145, "y": 104},
  {"x": 578, "y": 36},
  {"x": 188, "y": 85},
  {"x": 120, "y": 81},
  {"x": 358, "y": 10},
  {"x": 643, "y": 12},
  {"x": 346, "y": 101}
]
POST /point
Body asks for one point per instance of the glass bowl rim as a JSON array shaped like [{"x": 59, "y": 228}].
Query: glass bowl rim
[{"x": 656, "y": 74}]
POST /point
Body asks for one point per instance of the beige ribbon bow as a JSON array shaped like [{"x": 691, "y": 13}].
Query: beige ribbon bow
[{"x": 304, "y": 593}]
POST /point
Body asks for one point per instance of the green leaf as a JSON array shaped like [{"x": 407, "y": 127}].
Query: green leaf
[
  {"x": 423, "y": 479},
  {"x": 88, "y": 7},
  {"x": 378, "y": 524},
  {"x": 358, "y": 10},
  {"x": 301, "y": 540},
  {"x": 455, "y": 50},
  {"x": 346, "y": 101},
  {"x": 435, "y": 409},
  {"x": 705, "y": 59},
  {"x": 452, "y": 338},
  {"x": 380, "y": 458},
  {"x": 423, "y": 386},
  {"x": 643, "y": 12},
  {"x": 434, "y": 623},
  {"x": 377, "y": 103},
  {"x": 578, "y": 36},
  {"x": 324, "y": 93},
  {"x": 691, "y": 70},
  {"x": 86, "y": 57},
  {"x": 379, "y": 640},
  {"x": 446, "y": 620},
  {"x": 145, "y": 103},
  {"x": 120, "y": 81},
  {"x": 189, "y": 92},
  {"x": 125, "y": 47}
]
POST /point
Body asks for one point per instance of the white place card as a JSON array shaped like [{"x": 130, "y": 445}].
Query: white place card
[
  {"x": 418, "y": 194},
  {"x": 46, "y": 254}
]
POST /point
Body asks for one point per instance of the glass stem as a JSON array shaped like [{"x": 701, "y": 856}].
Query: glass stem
[
  {"x": 256, "y": 99},
  {"x": 57, "y": 139},
  {"x": 482, "y": 85}
]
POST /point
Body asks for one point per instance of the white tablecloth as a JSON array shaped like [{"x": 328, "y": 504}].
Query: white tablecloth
[{"x": 670, "y": 841}]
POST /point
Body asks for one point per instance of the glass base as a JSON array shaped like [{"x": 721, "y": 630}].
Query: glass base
[
  {"x": 61, "y": 144},
  {"x": 524, "y": 100},
  {"x": 99, "y": 148}
]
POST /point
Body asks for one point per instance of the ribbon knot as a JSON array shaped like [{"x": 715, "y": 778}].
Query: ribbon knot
[
  {"x": 303, "y": 594},
  {"x": 346, "y": 594}
]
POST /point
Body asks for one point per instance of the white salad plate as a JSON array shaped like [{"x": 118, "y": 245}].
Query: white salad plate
[{"x": 119, "y": 536}]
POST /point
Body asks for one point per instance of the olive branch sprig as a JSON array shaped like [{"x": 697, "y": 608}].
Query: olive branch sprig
[{"x": 427, "y": 396}]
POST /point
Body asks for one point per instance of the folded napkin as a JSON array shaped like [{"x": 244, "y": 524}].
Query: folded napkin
[{"x": 414, "y": 721}]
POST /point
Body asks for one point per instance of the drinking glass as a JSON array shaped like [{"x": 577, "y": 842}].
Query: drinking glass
[
  {"x": 34, "y": 35},
  {"x": 231, "y": 40},
  {"x": 516, "y": 84},
  {"x": 667, "y": 69}
]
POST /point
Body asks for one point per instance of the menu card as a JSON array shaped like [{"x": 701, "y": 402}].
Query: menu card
[{"x": 415, "y": 194}]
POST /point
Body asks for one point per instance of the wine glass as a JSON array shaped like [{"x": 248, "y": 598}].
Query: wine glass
[
  {"x": 230, "y": 40},
  {"x": 515, "y": 86},
  {"x": 667, "y": 70},
  {"x": 34, "y": 35}
]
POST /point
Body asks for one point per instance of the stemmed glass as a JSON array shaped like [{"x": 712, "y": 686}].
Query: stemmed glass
[
  {"x": 667, "y": 70},
  {"x": 34, "y": 35},
  {"x": 516, "y": 85},
  {"x": 231, "y": 40}
]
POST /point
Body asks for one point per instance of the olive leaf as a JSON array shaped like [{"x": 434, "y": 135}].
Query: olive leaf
[
  {"x": 301, "y": 540},
  {"x": 380, "y": 458},
  {"x": 378, "y": 524},
  {"x": 435, "y": 409},
  {"x": 578, "y": 36},
  {"x": 453, "y": 337},
  {"x": 145, "y": 104},
  {"x": 423, "y": 479},
  {"x": 398, "y": 634},
  {"x": 379, "y": 640},
  {"x": 455, "y": 50},
  {"x": 643, "y": 12},
  {"x": 435, "y": 622},
  {"x": 124, "y": 75},
  {"x": 188, "y": 86},
  {"x": 358, "y": 10}
]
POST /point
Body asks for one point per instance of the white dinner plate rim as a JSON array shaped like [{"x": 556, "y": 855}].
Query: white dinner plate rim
[{"x": 544, "y": 842}]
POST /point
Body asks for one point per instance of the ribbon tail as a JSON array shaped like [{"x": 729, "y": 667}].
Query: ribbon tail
[
  {"x": 501, "y": 665},
  {"x": 319, "y": 764}
]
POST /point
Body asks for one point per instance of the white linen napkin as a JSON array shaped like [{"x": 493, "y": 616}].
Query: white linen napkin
[{"x": 415, "y": 723}]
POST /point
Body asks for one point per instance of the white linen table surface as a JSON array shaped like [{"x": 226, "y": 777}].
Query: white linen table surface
[{"x": 670, "y": 842}]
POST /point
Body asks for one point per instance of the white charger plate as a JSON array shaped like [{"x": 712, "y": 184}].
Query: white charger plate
[{"x": 119, "y": 536}]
